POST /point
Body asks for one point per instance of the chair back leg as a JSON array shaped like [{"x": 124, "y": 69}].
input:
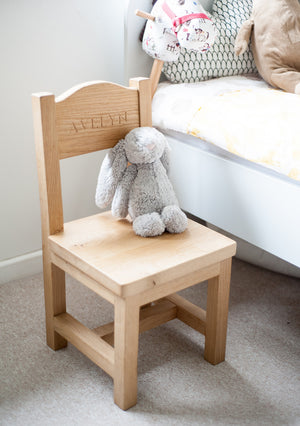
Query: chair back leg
[
  {"x": 55, "y": 301},
  {"x": 217, "y": 314}
]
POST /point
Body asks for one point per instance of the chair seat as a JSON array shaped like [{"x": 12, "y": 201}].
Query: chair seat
[{"x": 108, "y": 251}]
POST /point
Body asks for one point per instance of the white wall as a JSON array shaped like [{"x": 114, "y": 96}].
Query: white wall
[{"x": 47, "y": 46}]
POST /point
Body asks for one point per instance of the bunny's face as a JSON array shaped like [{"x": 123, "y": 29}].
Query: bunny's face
[{"x": 144, "y": 145}]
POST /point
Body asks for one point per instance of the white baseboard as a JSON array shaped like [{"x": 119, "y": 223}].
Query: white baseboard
[{"x": 21, "y": 266}]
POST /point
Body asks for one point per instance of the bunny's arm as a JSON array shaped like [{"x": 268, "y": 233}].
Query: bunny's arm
[
  {"x": 243, "y": 36},
  {"x": 120, "y": 202}
]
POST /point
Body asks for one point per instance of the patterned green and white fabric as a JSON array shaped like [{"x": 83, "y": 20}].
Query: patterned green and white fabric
[{"x": 220, "y": 60}]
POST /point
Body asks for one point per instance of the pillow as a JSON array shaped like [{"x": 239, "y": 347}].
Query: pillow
[{"x": 220, "y": 60}]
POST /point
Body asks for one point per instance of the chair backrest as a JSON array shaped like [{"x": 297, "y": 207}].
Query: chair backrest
[{"x": 90, "y": 117}]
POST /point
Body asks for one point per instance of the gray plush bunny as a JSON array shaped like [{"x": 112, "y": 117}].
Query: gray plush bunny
[{"x": 141, "y": 188}]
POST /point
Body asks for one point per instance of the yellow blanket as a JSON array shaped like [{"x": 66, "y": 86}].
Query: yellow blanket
[{"x": 244, "y": 116}]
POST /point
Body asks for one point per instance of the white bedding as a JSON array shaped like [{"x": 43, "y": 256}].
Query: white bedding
[{"x": 242, "y": 115}]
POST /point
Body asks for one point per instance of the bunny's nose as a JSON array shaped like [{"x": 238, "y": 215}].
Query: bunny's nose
[{"x": 150, "y": 146}]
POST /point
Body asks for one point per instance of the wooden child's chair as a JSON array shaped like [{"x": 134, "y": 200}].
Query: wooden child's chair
[{"x": 105, "y": 255}]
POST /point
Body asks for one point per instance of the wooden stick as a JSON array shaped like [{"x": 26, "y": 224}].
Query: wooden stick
[
  {"x": 158, "y": 64},
  {"x": 155, "y": 74},
  {"x": 144, "y": 15}
]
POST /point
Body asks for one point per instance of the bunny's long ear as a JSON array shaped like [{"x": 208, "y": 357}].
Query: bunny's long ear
[{"x": 111, "y": 171}]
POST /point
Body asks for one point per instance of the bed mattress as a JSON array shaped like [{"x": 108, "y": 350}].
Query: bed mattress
[{"x": 242, "y": 116}]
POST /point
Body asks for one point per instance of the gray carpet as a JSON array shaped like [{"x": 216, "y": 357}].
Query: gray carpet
[{"x": 258, "y": 384}]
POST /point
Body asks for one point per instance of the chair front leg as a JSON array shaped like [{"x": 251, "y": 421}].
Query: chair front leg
[
  {"x": 217, "y": 314},
  {"x": 126, "y": 352}
]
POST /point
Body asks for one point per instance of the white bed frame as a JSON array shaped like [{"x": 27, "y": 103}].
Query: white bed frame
[{"x": 251, "y": 203}]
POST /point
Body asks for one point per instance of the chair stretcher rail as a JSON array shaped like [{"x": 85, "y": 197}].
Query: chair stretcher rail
[{"x": 86, "y": 340}]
